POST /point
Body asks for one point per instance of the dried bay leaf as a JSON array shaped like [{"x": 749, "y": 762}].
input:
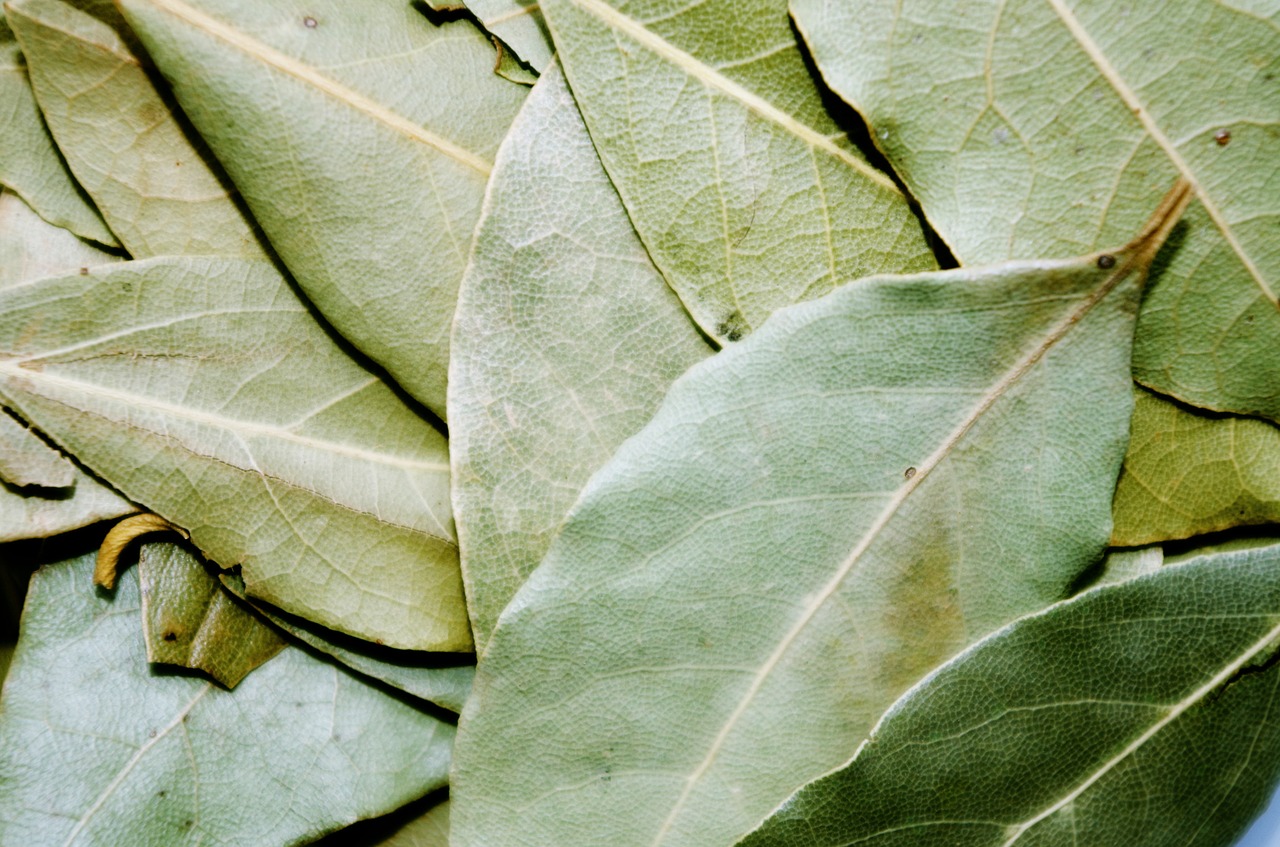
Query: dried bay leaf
[
  {"x": 1059, "y": 156},
  {"x": 361, "y": 135},
  {"x": 1077, "y": 726},
  {"x": 814, "y": 520},
  {"x": 95, "y": 749},
  {"x": 204, "y": 389},
  {"x": 740, "y": 184},
  {"x": 565, "y": 341}
]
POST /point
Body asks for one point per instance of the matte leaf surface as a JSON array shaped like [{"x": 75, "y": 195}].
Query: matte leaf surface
[
  {"x": 190, "y": 621},
  {"x": 1190, "y": 472},
  {"x": 565, "y": 341},
  {"x": 740, "y": 184},
  {"x": 94, "y": 749},
  {"x": 203, "y": 389},
  {"x": 32, "y": 248},
  {"x": 1039, "y": 128},
  {"x": 26, "y": 460},
  {"x": 30, "y": 163},
  {"x": 139, "y": 160},
  {"x": 1079, "y": 726},
  {"x": 520, "y": 25},
  {"x": 813, "y": 520},
  {"x": 362, "y": 136}
]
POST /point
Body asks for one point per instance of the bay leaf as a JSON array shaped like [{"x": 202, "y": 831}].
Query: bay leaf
[
  {"x": 1054, "y": 157},
  {"x": 1079, "y": 725},
  {"x": 520, "y": 26},
  {"x": 565, "y": 341},
  {"x": 25, "y": 460},
  {"x": 361, "y": 135},
  {"x": 33, "y": 248},
  {"x": 1190, "y": 472},
  {"x": 814, "y": 520},
  {"x": 204, "y": 389},
  {"x": 399, "y": 829},
  {"x": 30, "y": 163},
  {"x": 138, "y": 159},
  {"x": 94, "y": 748},
  {"x": 188, "y": 620},
  {"x": 738, "y": 181}
]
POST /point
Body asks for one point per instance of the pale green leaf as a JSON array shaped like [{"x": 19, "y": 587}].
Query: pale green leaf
[
  {"x": 1121, "y": 565},
  {"x": 190, "y": 621},
  {"x": 1142, "y": 714},
  {"x": 25, "y": 460},
  {"x": 1037, "y": 128},
  {"x": 440, "y": 678},
  {"x": 429, "y": 829},
  {"x": 520, "y": 26},
  {"x": 204, "y": 389},
  {"x": 1190, "y": 472},
  {"x": 565, "y": 341},
  {"x": 134, "y": 156},
  {"x": 95, "y": 749},
  {"x": 32, "y": 248},
  {"x": 362, "y": 136},
  {"x": 30, "y": 163},
  {"x": 813, "y": 520},
  {"x": 741, "y": 185}
]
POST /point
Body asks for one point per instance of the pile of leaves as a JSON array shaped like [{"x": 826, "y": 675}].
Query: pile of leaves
[{"x": 657, "y": 422}]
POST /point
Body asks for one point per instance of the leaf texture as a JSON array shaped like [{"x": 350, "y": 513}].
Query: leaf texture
[
  {"x": 813, "y": 520},
  {"x": 1039, "y": 128},
  {"x": 204, "y": 389},
  {"x": 565, "y": 341},
  {"x": 1079, "y": 725},
  {"x": 739, "y": 183},
  {"x": 361, "y": 135}
]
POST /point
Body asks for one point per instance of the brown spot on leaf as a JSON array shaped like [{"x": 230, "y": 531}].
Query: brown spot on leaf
[
  {"x": 309, "y": 22},
  {"x": 170, "y": 636},
  {"x": 1106, "y": 261},
  {"x": 909, "y": 472},
  {"x": 1223, "y": 137}
]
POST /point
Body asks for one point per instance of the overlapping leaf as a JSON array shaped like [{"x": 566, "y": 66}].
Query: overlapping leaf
[
  {"x": 813, "y": 520},
  {"x": 520, "y": 25},
  {"x": 565, "y": 341},
  {"x": 361, "y": 135},
  {"x": 1033, "y": 129},
  {"x": 739, "y": 183},
  {"x": 1078, "y": 726},
  {"x": 205, "y": 390},
  {"x": 95, "y": 749}
]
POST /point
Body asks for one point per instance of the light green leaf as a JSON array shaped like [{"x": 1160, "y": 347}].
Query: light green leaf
[
  {"x": 144, "y": 167},
  {"x": 440, "y": 678},
  {"x": 1121, "y": 565},
  {"x": 1141, "y": 714},
  {"x": 204, "y": 389},
  {"x": 189, "y": 621},
  {"x": 520, "y": 26},
  {"x": 812, "y": 521},
  {"x": 32, "y": 248},
  {"x": 1037, "y": 128},
  {"x": 361, "y": 136},
  {"x": 94, "y": 749},
  {"x": 740, "y": 184},
  {"x": 25, "y": 460},
  {"x": 565, "y": 341},
  {"x": 30, "y": 163},
  {"x": 429, "y": 829},
  {"x": 1189, "y": 472}
]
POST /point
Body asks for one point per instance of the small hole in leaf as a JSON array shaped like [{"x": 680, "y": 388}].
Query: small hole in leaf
[{"x": 1106, "y": 261}]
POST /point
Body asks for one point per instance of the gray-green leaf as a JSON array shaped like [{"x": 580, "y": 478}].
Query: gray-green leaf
[
  {"x": 95, "y": 749},
  {"x": 1141, "y": 714},
  {"x": 813, "y": 521}
]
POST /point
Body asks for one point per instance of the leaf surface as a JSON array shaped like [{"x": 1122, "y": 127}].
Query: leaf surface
[
  {"x": 1190, "y": 472},
  {"x": 739, "y": 183},
  {"x": 1040, "y": 128},
  {"x": 361, "y": 135},
  {"x": 520, "y": 25},
  {"x": 565, "y": 341},
  {"x": 1143, "y": 713},
  {"x": 94, "y": 749},
  {"x": 813, "y": 520},
  {"x": 32, "y": 248},
  {"x": 30, "y": 163},
  {"x": 137, "y": 158},
  {"x": 204, "y": 389},
  {"x": 25, "y": 460}
]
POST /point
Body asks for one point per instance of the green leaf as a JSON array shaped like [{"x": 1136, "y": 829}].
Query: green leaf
[
  {"x": 30, "y": 163},
  {"x": 1121, "y": 565},
  {"x": 429, "y": 829},
  {"x": 190, "y": 621},
  {"x": 740, "y": 184},
  {"x": 1032, "y": 129},
  {"x": 25, "y": 460},
  {"x": 933, "y": 455},
  {"x": 361, "y": 136},
  {"x": 520, "y": 26},
  {"x": 565, "y": 341},
  {"x": 1142, "y": 714},
  {"x": 204, "y": 389},
  {"x": 1190, "y": 472},
  {"x": 32, "y": 248},
  {"x": 144, "y": 167},
  {"x": 94, "y": 748}
]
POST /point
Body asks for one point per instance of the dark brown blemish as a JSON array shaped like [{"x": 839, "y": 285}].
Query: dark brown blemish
[
  {"x": 170, "y": 636},
  {"x": 1223, "y": 137},
  {"x": 1106, "y": 261},
  {"x": 309, "y": 22},
  {"x": 84, "y": 272},
  {"x": 909, "y": 472}
]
